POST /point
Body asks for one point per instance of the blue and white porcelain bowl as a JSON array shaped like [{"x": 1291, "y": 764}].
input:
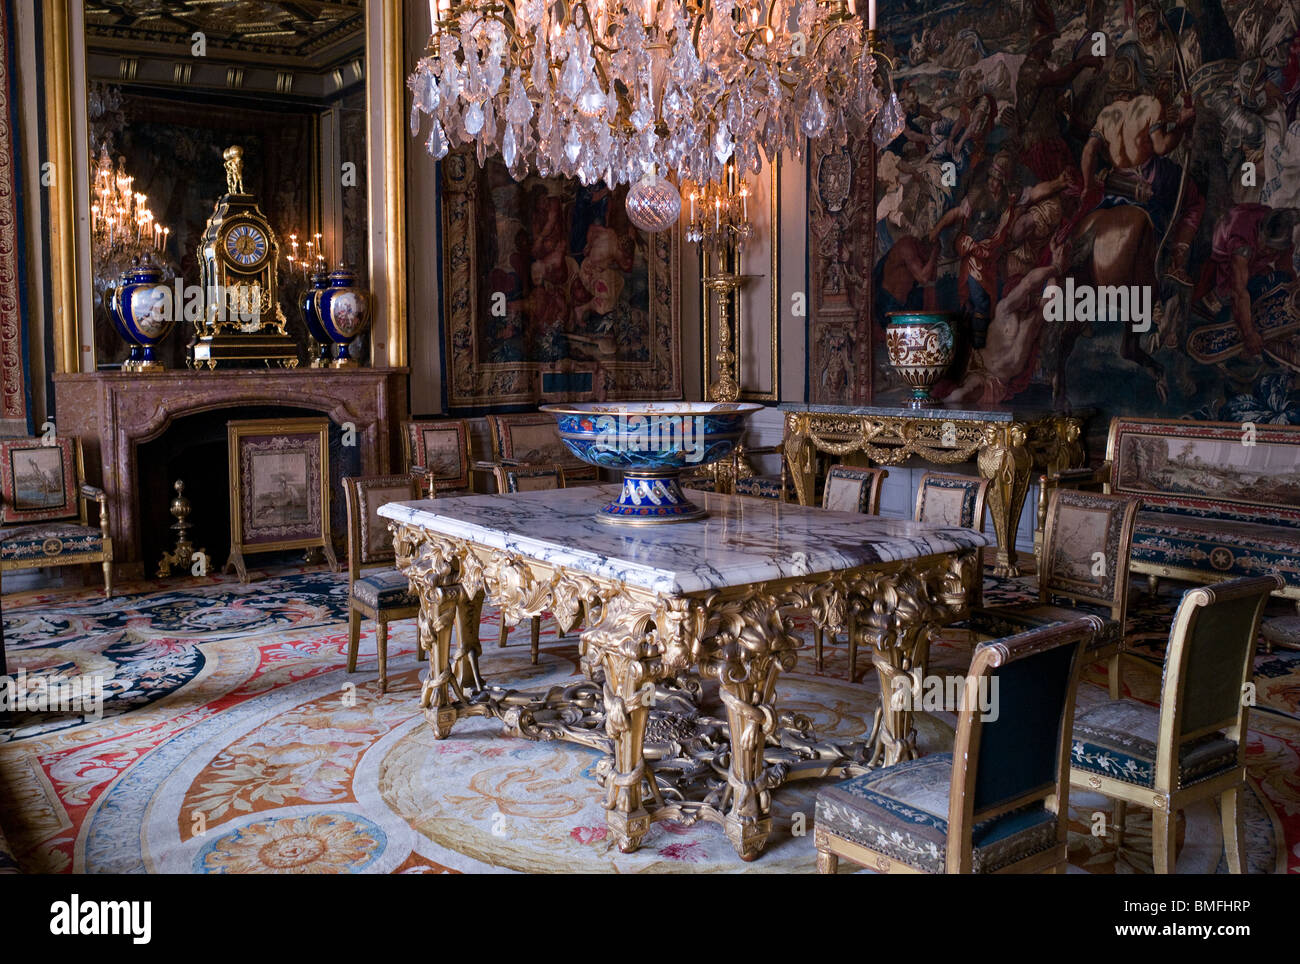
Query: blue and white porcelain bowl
[{"x": 651, "y": 443}]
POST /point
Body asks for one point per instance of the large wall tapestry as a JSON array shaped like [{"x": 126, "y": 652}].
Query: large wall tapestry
[
  {"x": 551, "y": 294},
  {"x": 1164, "y": 154},
  {"x": 15, "y": 418}
]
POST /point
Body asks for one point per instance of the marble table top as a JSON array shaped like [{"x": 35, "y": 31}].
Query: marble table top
[
  {"x": 996, "y": 413},
  {"x": 742, "y": 541}
]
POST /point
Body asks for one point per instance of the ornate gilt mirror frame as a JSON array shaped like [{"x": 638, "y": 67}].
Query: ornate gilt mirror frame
[{"x": 68, "y": 145}]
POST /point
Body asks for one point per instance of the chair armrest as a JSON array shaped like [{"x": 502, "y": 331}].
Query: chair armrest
[
  {"x": 93, "y": 493},
  {"x": 425, "y": 477},
  {"x": 1071, "y": 478}
]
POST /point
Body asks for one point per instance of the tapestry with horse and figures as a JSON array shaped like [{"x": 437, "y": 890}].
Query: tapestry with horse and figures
[
  {"x": 1107, "y": 193},
  {"x": 551, "y": 293}
]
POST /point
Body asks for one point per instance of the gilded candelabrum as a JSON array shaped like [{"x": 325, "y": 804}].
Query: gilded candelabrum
[{"x": 719, "y": 224}]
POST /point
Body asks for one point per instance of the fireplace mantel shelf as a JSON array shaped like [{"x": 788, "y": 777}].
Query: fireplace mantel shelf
[{"x": 114, "y": 412}]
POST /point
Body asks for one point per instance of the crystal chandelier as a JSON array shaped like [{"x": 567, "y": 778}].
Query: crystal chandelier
[
  {"x": 622, "y": 93},
  {"x": 120, "y": 219}
]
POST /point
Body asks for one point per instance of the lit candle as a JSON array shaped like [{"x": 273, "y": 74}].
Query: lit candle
[
  {"x": 717, "y": 213},
  {"x": 744, "y": 202},
  {"x": 871, "y": 14},
  {"x": 692, "y": 206}
]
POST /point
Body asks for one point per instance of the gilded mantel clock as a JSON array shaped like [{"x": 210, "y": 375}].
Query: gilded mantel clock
[{"x": 239, "y": 267}]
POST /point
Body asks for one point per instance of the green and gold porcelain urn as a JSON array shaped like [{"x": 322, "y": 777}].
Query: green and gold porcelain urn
[{"x": 921, "y": 347}]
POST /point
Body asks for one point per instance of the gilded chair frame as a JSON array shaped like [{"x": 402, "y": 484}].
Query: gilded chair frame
[
  {"x": 64, "y": 46},
  {"x": 1167, "y": 796},
  {"x": 352, "y": 486},
  {"x": 962, "y": 817}
]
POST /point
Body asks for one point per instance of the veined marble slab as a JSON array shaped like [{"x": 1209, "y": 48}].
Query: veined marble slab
[
  {"x": 997, "y": 413},
  {"x": 743, "y": 540}
]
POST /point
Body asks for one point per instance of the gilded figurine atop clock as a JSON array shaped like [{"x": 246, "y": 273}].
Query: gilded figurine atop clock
[{"x": 239, "y": 266}]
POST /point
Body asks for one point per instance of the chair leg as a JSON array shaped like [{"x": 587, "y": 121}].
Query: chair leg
[
  {"x": 1163, "y": 826},
  {"x": 1234, "y": 830},
  {"x": 817, "y": 648},
  {"x": 381, "y": 643},
  {"x": 505, "y": 632},
  {"x": 1117, "y": 830},
  {"x": 108, "y": 580},
  {"x": 827, "y": 863},
  {"x": 536, "y": 637},
  {"x": 1153, "y": 584},
  {"x": 354, "y": 638},
  {"x": 1116, "y": 675}
]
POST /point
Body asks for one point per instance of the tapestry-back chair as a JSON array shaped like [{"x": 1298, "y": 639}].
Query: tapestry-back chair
[
  {"x": 44, "y": 508},
  {"x": 438, "y": 452},
  {"x": 1084, "y": 559},
  {"x": 382, "y": 592},
  {"x": 849, "y": 488}
]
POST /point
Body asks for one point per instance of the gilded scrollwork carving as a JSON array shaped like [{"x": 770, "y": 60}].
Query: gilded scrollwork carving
[{"x": 667, "y": 759}]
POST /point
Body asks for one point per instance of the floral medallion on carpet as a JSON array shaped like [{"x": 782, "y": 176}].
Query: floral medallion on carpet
[{"x": 234, "y": 741}]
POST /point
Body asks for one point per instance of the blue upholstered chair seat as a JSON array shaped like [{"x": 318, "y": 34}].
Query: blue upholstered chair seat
[
  {"x": 1118, "y": 739},
  {"x": 384, "y": 589},
  {"x": 902, "y": 811},
  {"x": 999, "y": 621},
  {"x": 49, "y": 539}
]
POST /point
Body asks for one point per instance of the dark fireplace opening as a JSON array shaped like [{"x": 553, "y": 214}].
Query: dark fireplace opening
[{"x": 194, "y": 449}]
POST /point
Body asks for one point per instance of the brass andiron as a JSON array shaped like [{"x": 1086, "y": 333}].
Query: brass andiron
[{"x": 183, "y": 555}]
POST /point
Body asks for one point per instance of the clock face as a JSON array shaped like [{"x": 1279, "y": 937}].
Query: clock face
[{"x": 246, "y": 245}]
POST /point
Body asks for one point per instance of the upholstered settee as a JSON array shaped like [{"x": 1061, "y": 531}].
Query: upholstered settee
[{"x": 1220, "y": 500}]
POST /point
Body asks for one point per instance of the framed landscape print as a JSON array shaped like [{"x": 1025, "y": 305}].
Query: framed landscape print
[{"x": 279, "y": 488}]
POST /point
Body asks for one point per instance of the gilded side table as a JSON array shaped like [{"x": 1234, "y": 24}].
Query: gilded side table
[
  {"x": 1008, "y": 443},
  {"x": 714, "y": 597}
]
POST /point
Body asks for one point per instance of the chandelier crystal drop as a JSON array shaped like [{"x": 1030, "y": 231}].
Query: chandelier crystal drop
[{"x": 611, "y": 92}]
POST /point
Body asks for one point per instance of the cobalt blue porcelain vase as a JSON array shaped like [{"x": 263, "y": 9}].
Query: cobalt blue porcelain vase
[
  {"x": 319, "y": 282},
  {"x": 651, "y": 443},
  {"x": 142, "y": 307},
  {"x": 343, "y": 311}
]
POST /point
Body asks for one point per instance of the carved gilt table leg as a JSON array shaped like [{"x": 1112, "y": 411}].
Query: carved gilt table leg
[
  {"x": 469, "y": 614},
  {"x": 437, "y": 617},
  {"x": 622, "y": 640},
  {"x": 754, "y": 642},
  {"x": 899, "y": 613},
  {"x": 1005, "y": 461}
]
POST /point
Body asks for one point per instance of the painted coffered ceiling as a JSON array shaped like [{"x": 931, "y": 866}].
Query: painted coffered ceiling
[{"x": 301, "y": 34}]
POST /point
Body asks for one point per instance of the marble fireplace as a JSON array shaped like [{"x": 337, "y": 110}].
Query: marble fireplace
[{"x": 117, "y": 415}]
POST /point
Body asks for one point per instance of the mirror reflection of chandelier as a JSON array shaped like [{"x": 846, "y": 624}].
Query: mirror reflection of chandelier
[
  {"x": 602, "y": 90},
  {"x": 122, "y": 226}
]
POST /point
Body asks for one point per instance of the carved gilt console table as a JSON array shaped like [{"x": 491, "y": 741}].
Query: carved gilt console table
[
  {"x": 715, "y": 597},
  {"x": 1009, "y": 444}
]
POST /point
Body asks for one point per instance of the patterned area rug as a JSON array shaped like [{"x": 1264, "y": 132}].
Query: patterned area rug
[{"x": 233, "y": 741}]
